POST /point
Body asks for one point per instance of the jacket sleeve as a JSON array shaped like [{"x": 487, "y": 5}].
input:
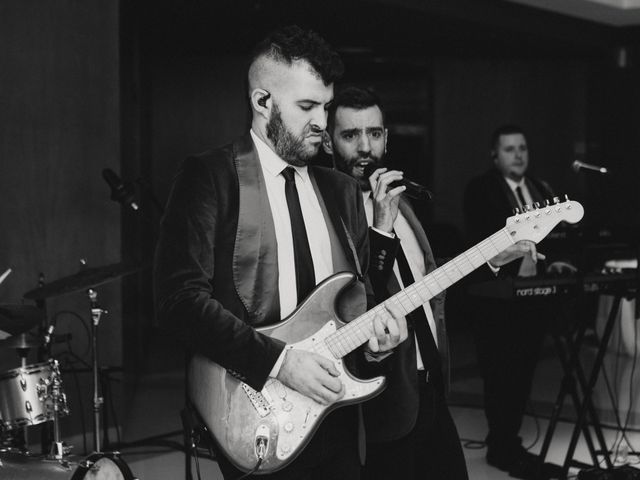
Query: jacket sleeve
[
  {"x": 184, "y": 271},
  {"x": 383, "y": 251}
]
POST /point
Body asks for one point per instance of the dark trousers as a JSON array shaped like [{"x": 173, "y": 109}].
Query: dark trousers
[
  {"x": 508, "y": 337},
  {"x": 430, "y": 451},
  {"x": 332, "y": 453}
]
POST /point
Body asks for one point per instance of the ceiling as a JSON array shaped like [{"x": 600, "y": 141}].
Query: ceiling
[{"x": 619, "y": 13}]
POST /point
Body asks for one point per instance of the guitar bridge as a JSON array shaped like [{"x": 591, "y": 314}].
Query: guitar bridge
[{"x": 259, "y": 402}]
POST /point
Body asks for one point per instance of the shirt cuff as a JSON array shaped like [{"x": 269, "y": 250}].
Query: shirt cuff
[
  {"x": 376, "y": 356},
  {"x": 495, "y": 270},
  {"x": 276, "y": 367},
  {"x": 382, "y": 232}
]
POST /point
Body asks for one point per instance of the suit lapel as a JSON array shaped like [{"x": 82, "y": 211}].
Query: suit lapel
[
  {"x": 327, "y": 190},
  {"x": 416, "y": 226},
  {"x": 255, "y": 255}
]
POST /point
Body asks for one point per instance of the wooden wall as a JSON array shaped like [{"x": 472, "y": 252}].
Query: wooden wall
[{"x": 59, "y": 127}]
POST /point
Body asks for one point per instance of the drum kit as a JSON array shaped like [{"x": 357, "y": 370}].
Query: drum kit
[{"x": 33, "y": 394}]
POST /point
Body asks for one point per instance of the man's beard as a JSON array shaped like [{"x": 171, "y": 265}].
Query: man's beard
[
  {"x": 288, "y": 147},
  {"x": 347, "y": 165}
]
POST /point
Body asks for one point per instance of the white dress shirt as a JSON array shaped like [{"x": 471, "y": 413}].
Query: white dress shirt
[
  {"x": 317, "y": 233},
  {"x": 523, "y": 187},
  {"x": 415, "y": 258}
]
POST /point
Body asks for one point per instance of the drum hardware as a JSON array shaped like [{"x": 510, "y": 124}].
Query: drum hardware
[
  {"x": 4, "y": 276},
  {"x": 48, "y": 391},
  {"x": 30, "y": 395},
  {"x": 51, "y": 390},
  {"x": 86, "y": 278},
  {"x": 98, "y": 400},
  {"x": 22, "y": 341},
  {"x": 17, "y": 319},
  {"x": 97, "y": 466}
]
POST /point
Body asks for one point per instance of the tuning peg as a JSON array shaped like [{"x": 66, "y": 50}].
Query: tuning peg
[
  {"x": 516, "y": 211},
  {"x": 546, "y": 202},
  {"x": 556, "y": 200},
  {"x": 537, "y": 205},
  {"x": 566, "y": 197},
  {"x": 527, "y": 208}
]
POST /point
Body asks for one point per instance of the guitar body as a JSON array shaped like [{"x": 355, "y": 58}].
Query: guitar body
[{"x": 277, "y": 419}]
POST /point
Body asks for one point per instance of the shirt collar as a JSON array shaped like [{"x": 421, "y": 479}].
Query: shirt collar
[
  {"x": 513, "y": 184},
  {"x": 271, "y": 162}
]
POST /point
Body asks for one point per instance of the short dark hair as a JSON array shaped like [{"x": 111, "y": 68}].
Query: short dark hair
[
  {"x": 507, "y": 129},
  {"x": 354, "y": 97},
  {"x": 292, "y": 43}
]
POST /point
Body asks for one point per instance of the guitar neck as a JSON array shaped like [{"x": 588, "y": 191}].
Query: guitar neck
[{"x": 359, "y": 330}]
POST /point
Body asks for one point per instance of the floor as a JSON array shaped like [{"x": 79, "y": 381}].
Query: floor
[{"x": 152, "y": 416}]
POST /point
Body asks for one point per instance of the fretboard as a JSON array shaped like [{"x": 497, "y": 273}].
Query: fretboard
[{"x": 359, "y": 330}]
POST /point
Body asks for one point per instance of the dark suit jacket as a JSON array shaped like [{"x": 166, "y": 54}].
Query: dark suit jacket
[
  {"x": 393, "y": 414},
  {"x": 488, "y": 202},
  {"x": 216, "y": 271}
]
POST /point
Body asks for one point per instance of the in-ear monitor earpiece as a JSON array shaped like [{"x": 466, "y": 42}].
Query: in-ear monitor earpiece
[{"x": 262, "y": 101}]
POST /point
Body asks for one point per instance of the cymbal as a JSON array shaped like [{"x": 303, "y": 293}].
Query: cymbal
[
  {"x": 21, "y": 341},
  {"x": 16, "y": 319},
  {"x": 84, "y": 279}
]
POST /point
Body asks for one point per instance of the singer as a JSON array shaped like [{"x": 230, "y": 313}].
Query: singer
[
  {"x": 410, "y": 433},
  {"x": 409, "y": 430}
]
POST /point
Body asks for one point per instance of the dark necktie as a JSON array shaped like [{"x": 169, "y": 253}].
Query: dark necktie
[
  {"x": 520, "y": 196},
  {"x": 426, "y": 343},
  {"x": 305, "y": 274}
]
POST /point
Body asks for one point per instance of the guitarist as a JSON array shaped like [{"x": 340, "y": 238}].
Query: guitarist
[
  {"x": 410, "y": 432},
  {"x": 250, "y": 228}
]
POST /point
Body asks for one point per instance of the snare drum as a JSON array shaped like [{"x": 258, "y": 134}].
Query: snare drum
[{"x": 26, "y": 396}]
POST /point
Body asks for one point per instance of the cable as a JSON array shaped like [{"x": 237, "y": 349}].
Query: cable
[
  {"x": 621, "y": 435},
  {"x": 79, "y": 396},
  {"x": 82, "y": 322},
  {"x": 255, "y": 469},
  {"x": 537, "y": 422}
]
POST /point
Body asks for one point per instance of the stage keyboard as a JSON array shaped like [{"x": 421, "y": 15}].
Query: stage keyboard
[{"x": 552, "y": 286}]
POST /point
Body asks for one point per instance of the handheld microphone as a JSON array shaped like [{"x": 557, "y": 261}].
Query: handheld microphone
[
  {"x": 413, "y": 190},
  {"x": 120, "y": 192},
  {"x": 577, "y": 165}
]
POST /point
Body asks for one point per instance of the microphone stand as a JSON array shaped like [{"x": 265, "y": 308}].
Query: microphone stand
[{"x": 98, "y": 401}]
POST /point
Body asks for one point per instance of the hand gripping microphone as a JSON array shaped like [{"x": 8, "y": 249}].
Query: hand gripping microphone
[{"x": 414, "y": 190}]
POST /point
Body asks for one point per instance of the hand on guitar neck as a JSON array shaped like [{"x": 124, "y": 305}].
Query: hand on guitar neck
[{"x": 317, "y": 377}]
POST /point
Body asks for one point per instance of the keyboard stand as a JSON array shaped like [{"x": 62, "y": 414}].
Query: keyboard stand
[{"x": 587, "y": 414}]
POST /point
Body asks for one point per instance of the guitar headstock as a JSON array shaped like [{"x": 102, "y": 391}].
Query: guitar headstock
[{"x": 534, "y": 223}]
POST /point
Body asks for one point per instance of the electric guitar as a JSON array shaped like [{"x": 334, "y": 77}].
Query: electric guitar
[{"x": 263, "y": 431}]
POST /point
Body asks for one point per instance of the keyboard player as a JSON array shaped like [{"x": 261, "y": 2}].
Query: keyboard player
[{"x": 508, "y": 332}]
